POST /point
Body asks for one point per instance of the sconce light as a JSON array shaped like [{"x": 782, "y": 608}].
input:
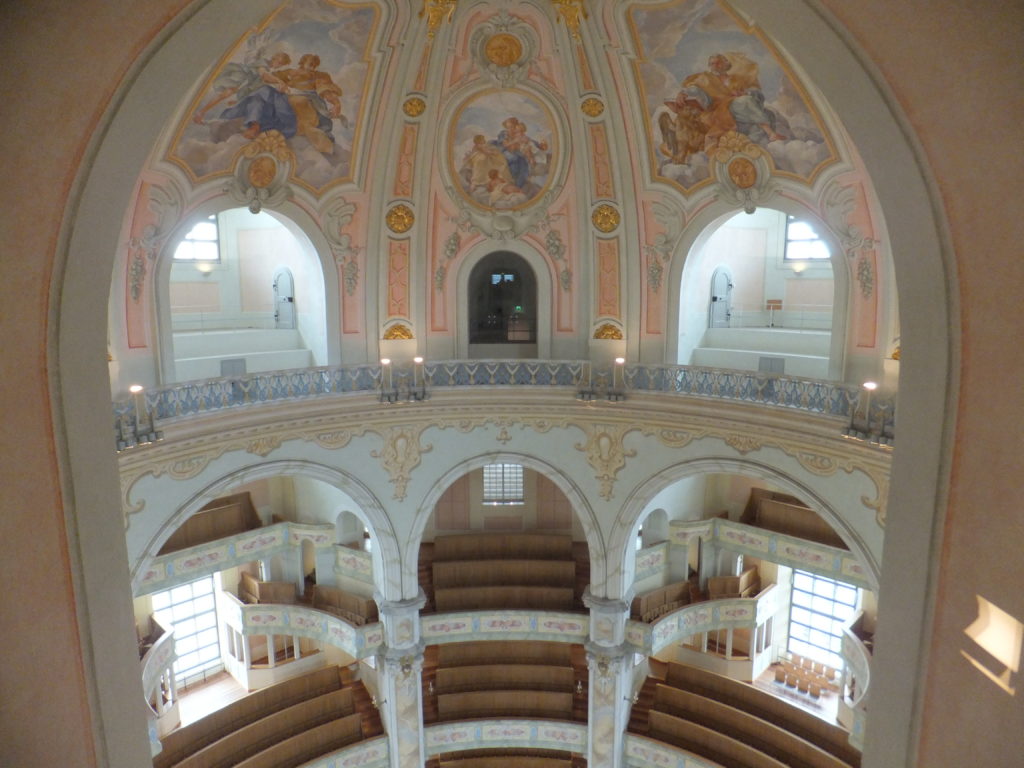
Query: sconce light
[
  {"x": 418, "y": 390},
  {"x": 388, "y": 392},
  {"x": 205, "y": 268},
  {"x": 579, "y": 687},
  {"x": 615, "y": 393},
  {"x": 585, "y": 390},
  {"x": 799, "y": 267},
  {"x": 138, "y": 427}
]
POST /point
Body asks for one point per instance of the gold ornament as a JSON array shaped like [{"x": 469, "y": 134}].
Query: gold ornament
[
  {"x": 572, "y": 13},
  {"x": 605, "y": 218},
  {"x": 397, "y": 331},
  {"x": 503, "y": 49},
  {"x": 436, "y": 11},
  {"x": 608, "y": 331},
  {"x": 743, "y": 173},
  {"x": 262, "y": 171},
  {"x": 400, "y": 218},
  {"x": 592, "y": 107},
  {"x": 414, "y": 106}
]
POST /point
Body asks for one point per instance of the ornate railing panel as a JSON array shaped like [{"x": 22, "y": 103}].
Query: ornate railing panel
[
  {"x": 505, "y": 734},
  {"x": 135, "y": 418},
  {"x": 505, "y": 625}
]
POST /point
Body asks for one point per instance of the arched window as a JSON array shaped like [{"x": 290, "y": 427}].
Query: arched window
[{"x": 503, "y": 306}]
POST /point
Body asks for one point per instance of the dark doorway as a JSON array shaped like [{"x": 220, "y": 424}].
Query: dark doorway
[{"x": 503, "y": 301}]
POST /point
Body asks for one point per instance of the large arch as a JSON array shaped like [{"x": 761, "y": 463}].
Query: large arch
[
  {"x": 691, "y": 246},
  {"x": 80, "y": 385},
  {"x": 309, "y": 237},
  {"x": 623, "y": 534},
  {"x": 580, "y": 506},
  {"x": 370, "y": 510}
]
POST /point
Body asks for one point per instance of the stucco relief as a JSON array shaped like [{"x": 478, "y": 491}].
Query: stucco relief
[
  {"x": 606, "y": 453},
  {"x": 502, "y": 48},
  {"x": 401, "y": 454}
]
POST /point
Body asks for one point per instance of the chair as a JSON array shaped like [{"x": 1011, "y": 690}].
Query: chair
[
  {"x": 780, "y": 674},
  {"x": 803, "y": 684},
  {"x": 815, "y": 690}
]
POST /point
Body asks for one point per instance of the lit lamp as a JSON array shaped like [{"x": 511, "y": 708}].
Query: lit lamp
[
  {"x": 618, "y": 380},
  {"x": 142, "y": 429},
  {"x": 586, "y": 389},
  {"x": 869, "y": 387},
  {"x": 387, "y": 391},
  {"x": 418, "y": 390}
]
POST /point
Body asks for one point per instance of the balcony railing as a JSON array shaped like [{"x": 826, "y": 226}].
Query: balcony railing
[{"x": 136, "y": 419}]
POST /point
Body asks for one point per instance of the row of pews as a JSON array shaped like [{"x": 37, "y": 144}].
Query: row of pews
[
  {"x": 488, "y": 679},
  {"x": 281, "y": 726},
  {"x": 735, "y": 724}
]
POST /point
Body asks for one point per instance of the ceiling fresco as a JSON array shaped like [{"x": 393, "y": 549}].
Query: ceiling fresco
[
  {"x": 297, "y": 82},
  {"x": 707, "y": 80}
]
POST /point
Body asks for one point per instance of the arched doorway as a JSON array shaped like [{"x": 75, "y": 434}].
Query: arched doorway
[
  {"x": 254, "y": 301},
  {"x": 503, "y": 307}
]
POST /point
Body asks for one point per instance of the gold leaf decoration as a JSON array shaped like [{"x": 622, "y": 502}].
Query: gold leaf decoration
[
  {"x": 743, "y": 443},
  {"x": 605, "y": 218},
  {"x": 572, "y": 13},
  {"x": 414, "y": 106},
  {"x": 503, "y": 49},
  {"x": 608, "y": 331},
  {"x": 400, "y": 218},
  {"x": 264, "y": 446},
  {"x": 401, "y": 455},
  {"x": 437, "y": 12},
  {"x": 592, "y": 107},
  {"x": 398, "y": 331}
]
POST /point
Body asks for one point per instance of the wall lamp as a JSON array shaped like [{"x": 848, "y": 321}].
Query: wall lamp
[
  {"x": 396, "y": 385},
  {"x": 137, "y": 427},
  {"x": 616, "y": 392}
]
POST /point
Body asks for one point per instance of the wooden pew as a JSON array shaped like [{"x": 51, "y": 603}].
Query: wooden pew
[
  {"x": 654, "y": 604},
  {"x": 353, "y": 608},
  {"x": 536, "y": 677},
  {"x": 504, "y": 703},
  {"x": 503, "y": 597},
  {"x": 707, "y": 743},
  {"x": 491, "y": 546},
  {"x": 482, "y": 573},
  {"x": 504, "y": 652},
  {"x": 189, "y": 739},
  {"x": 771, "y": 739},
  {"x": 308, "y": 745},
  {"x": 278, "y": 726},
  {"x": 831, "y": 738}
]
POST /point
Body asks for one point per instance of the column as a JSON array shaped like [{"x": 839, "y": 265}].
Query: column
[
  {"x": 401, "y": 680},
  {"x": 610, "y": 662}
]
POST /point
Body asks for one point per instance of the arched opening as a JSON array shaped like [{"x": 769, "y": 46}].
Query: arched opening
[
  {"x": 736, "y": 536},
  {"x": 248, "y": 297},
  {"x": 759, "y": 295},
  {"x": 503, "y": 307}
]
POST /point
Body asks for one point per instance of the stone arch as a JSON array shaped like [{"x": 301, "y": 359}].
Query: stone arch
[
  {"x": 682, "y": 282},
  {"x": 624, "y": 531},
  {"x": 369, "y": 510},
  {"x": 310, "y": 238},
  {"x": 581, "y": 508},
  {"x": 80, "y": 387}
]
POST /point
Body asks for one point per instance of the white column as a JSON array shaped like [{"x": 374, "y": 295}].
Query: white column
[
  {"x": 609, "y": 659},
  {"x": 295, "y": 646},
  {"x": 271, "y": 652},
  {"x": 401, "y": 680},
  {"x": 246, "y": 652}
]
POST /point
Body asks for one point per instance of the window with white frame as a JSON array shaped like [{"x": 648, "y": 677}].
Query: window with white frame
[
  {"x": 803, "y": 243},
  {"x": 819, "y": 607},
  {"x": 191, "y": 609},
  {"x": 503, "y": 484},
  {"x": 201, "y": 243}
]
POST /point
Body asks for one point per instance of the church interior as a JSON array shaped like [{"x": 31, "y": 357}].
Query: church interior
[{"x": 542, "y": 383}]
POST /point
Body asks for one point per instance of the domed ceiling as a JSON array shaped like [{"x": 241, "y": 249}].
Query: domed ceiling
[{"x": 412, "y": 137}]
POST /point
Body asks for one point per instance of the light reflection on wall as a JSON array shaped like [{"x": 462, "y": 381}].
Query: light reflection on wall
[{"x": 1000, "y": 635}]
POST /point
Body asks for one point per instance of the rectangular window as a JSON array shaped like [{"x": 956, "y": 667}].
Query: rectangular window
[
  {"x": 819, "y": 606},
  {"x": 803, "y": 243},
  {"x": 192, "y": 611},
  {"x": 201, "y": 243},
  {"x": 503, "y": 484}
]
